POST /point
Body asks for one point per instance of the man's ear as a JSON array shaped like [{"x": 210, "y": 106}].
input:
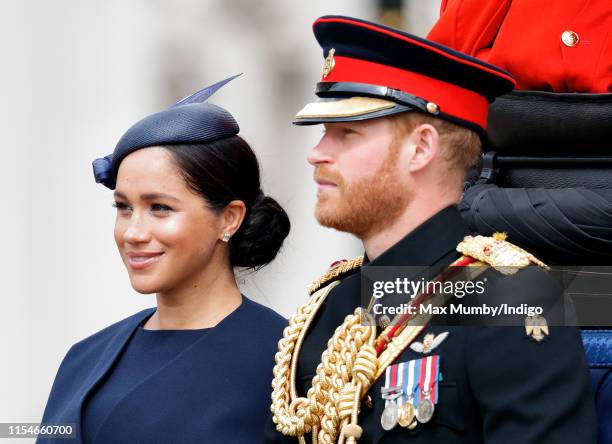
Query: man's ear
[
  {"x": 425, "y": 140},
  {"x": 232, "y": 216}
]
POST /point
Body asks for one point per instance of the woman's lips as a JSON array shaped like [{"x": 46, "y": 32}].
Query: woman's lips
[{"x": 140, "y": 261}]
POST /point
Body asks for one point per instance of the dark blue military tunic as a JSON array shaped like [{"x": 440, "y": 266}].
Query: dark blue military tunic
[{"x": 499, "y": 385}]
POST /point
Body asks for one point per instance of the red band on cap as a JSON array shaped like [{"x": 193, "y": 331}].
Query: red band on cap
[{"x": 452, "y": 99}]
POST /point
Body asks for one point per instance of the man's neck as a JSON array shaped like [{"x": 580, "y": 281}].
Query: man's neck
[{"x": 415, "y": 214}]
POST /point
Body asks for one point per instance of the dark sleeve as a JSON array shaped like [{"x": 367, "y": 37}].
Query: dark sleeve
[
  {"x": 59, "y": 394},
  {"x": 527, "y": 391}
]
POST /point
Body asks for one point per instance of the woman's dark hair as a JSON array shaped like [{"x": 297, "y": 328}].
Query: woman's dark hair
[{"x": 226, "y": 170}]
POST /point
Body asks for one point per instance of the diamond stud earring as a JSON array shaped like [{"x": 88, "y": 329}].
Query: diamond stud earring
[{"x": 226, "y": 237}]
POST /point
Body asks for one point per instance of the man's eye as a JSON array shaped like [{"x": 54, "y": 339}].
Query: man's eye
[{"x": 160, "y": 208}]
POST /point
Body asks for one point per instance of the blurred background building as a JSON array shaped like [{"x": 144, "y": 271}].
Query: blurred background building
[{"x": 76, "y": 74}]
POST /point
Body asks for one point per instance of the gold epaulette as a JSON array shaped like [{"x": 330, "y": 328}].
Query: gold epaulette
[
  {"x": 335, "y": 272},
  {"x": 496, "y": 251}
]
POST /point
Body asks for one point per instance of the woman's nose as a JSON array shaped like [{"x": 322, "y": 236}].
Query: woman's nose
[{"x": 137, "y": 230}]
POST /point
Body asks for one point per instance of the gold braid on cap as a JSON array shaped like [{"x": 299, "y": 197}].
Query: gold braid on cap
[{"x": 347, "y": 370}]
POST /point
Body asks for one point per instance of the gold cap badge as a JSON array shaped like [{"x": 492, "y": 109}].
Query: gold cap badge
[{"x": 329, "y": 64}]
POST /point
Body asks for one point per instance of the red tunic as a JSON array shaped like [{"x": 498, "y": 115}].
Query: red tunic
[{"x": 560, "y": 46}]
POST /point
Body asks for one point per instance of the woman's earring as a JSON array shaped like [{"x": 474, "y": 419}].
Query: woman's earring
[{"x": 226, "y": 237}]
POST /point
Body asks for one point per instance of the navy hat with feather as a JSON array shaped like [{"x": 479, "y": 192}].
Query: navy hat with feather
[{"x": 190, "y": 120}]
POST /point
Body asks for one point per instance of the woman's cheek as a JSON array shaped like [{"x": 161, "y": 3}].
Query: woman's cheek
[{"x": 171, "y": 229}]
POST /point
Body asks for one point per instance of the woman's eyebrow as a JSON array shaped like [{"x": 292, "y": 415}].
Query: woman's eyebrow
[
  {"x": 148, "y": 196},
  {"x": 120, "y": 195},
  {"x": 155, "y": 196}
]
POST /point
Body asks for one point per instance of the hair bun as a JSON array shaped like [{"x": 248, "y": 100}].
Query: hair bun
[{"x": 261, "y": 234}]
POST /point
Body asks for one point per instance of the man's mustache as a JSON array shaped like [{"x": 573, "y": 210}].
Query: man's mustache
[{"x": 326, "y": 175}]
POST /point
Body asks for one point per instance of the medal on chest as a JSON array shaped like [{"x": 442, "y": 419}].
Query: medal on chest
[{"x": 410, "y": 392}]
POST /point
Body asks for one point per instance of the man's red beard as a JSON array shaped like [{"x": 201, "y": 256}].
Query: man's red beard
[{"x": 366, "y": 206}]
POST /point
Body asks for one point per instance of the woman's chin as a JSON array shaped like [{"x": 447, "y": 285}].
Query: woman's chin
[{"x": 145, "y": 287}]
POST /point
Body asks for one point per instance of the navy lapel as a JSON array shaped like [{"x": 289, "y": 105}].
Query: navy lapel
[
  {"x": 108, "y": 357},
  {"x": 199, "y": 360}
]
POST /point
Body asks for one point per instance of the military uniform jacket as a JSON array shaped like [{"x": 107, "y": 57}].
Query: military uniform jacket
[{"x": 499, "y": 385}]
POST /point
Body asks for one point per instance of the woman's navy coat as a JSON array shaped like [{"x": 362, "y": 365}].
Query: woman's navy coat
[{"x": 217, "y": 390}]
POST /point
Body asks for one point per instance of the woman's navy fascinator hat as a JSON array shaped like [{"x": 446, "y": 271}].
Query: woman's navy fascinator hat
[{"x": 191, "y": 120}]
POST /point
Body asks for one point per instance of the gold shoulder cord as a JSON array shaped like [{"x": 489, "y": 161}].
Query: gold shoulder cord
[
  {"x": 349, "y": 366},
  {"x": 346, "y": 372}
]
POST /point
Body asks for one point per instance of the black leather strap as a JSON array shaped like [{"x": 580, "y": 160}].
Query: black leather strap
[
  {"x": 350, "y": 89},
  {"x": 544, "y": 123}
]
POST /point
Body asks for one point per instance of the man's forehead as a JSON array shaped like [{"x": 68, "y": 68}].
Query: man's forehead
[{"x": 380, "y": 124}]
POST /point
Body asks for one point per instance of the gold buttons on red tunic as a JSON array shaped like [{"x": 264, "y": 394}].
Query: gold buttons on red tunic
[{"x": 570, "y": 38}]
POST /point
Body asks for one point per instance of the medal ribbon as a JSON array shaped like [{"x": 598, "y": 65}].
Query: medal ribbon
[
  {"x": 409, "y": 378},
  {"x": 394, "y": 376},
  {"x": 414, "y": 377},
  {"x": 423, "y": 379},
  {"x": 435, "y": 371},
  {"x": 428, "y": 378},
  {"x": 417, "y": 377},
  {"x": 387, "y": 381},
  {"x": 392, "y": 373},
  {"x": 400, "y": 380}
]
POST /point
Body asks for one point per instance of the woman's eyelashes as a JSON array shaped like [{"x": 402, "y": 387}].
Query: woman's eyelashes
[
  {"x": 121, "y": 207},
  {"x": 156, "y": 208},
  {"x": 160, "y": 208}
]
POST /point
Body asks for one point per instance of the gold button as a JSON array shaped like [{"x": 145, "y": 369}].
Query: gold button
[
  {"x": 432, "y": 108},
  {"x": 570, "y": 38}
]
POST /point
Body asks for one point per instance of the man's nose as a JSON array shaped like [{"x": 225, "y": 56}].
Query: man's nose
[{"x": 321, "y": 152}]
